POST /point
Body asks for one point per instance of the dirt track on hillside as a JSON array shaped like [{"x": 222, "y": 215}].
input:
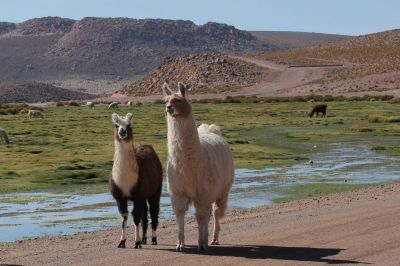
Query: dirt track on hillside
[{"x": 359, "y": 227}]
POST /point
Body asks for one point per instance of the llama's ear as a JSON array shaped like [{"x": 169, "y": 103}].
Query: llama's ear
[
  {"x": 129, "y": 116},
  {"x": 166, "y": 89},
  {"x": 114, "y": 118},
  {"x": 182, "y": 89}
]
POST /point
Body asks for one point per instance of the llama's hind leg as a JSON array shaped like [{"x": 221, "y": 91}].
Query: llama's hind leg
[
  {"x": 123, "y": 210},
  {"x": 154, "y": 212},
  {"x": 137, "y": 213},
  {"x": 180, "y": 206},
  {"x": 218, "y": 212},
  {"x": 145, "y": 222}
]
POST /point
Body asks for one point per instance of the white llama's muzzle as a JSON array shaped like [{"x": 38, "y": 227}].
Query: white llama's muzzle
[{"x": 169, "y": 109}]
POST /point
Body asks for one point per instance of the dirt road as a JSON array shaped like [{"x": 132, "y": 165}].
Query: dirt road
[{"x": 361, "y": 227}]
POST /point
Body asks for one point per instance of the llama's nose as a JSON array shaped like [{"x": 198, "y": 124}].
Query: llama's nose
[
  {"x": 122, "y": 132},
  {"x": 170, "y": 109}
]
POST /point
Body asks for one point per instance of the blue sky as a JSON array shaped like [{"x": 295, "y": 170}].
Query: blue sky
[{"x": 353, "y": 17}]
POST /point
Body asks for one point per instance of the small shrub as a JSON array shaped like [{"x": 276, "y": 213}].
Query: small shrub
[
  {"x": 393, "y": 119},
  {"x": 360, "y": 128},
  {"x": 158, "y": 101},
  {"x": 375, "y": 119},
  {"x": 72, "y": 103}
]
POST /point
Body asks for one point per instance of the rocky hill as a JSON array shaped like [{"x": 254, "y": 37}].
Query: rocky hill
[
  {"x": 101, "y": 54},
  {"x": 38, "y": 92},
  {"x": 203, "y": 73}
]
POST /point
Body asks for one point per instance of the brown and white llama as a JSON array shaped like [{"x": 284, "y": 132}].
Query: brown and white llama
[
  {"x": 200, "y": 167},
  {"x": 136, "y": 176},
  {"x": 113, "y": 105}
]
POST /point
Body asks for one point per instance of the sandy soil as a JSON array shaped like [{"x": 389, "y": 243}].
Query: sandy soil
[{"x": 360, "y": 227}]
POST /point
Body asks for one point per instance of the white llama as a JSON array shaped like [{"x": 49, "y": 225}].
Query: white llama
[
  {"x": 34, "y": 113},
  {"x": 200, "y": 167},
  {"x": 129, "y": 104},
  {"x": 4, "y": 136},
  {"x": 90, "y": 105}
]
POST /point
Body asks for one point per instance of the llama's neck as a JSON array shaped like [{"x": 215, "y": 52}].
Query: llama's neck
[
  {"x": 183, "y": 139},
  {"x": 125, "y": 172}
]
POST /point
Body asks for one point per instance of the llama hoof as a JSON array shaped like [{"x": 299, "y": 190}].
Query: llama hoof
[
  {"x": 215, "y": 242},
  {"x": 180, "y": 247},
  {"x": 202, "y": 248},
  {"x": 144, "y": 240},
  {"x": 122, "y": 244},
  {"x": 154, "y": 240},
  {"x": 138, "y": 244}
]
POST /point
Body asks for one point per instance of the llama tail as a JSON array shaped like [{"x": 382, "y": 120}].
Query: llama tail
[{"x": 206, "y": 128}]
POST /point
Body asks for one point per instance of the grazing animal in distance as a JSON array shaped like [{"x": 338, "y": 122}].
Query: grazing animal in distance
[
  {"x": 320, "y": 108},
  {"x": 136, "y": 176},
  {"x": 200, "y": 167},
  {"x": 34, "y": 113},
  {"x": 90, "y": 105},
  {"x": 113, "y": 105},
  {"x": 4, "y": 136},
  {"x": 129, "y": 104}
]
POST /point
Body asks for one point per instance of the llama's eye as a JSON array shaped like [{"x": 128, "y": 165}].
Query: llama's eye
[{"x": 116, "y": 126}]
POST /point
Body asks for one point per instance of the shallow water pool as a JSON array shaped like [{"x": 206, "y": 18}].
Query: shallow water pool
[{"x": 35, "y": 214}]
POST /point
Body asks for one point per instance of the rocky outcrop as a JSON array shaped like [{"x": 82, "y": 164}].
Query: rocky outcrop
[{"x": 203, "y": 73}]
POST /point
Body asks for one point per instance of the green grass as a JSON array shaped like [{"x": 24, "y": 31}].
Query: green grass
[
  {"x": 72, "y": 148},
  {"x": 314, "y": 190}
]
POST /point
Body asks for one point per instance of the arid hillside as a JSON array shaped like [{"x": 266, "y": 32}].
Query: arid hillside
[
  {"x": 371, "y": 63},
  {"x": 32, "y": 92},
  {"x": 102, "y": 54},
  {"x": 294, "y": 39},
  {"x": 204, "y": 73}
]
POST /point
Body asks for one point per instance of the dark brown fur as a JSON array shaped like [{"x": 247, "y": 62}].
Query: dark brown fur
[
  {"x": 145, "y": 194},
  {"x": 320, "y": 108}
]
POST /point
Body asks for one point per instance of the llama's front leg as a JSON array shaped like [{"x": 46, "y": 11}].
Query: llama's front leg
[
  {"x": 180, "y": 206},
  {"x": 154, "y": 211},
  {"x": 203, "y": 212},
  {"x": 123, "y": 210},
  {"x": 219, "y": 208},
  {"x": 145, "y": 222},
  {"x": 137, "y": 213}
]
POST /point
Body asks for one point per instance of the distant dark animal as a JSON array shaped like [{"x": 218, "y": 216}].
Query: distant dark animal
[
  {"x": 320, "y": 108},
  {"x": 113, "y": 105},
  {"x": 136, "y": 176},
  {"x": 4, "y": 136}
]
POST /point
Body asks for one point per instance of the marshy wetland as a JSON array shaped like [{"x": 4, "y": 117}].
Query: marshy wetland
[{"x": 54, "y": 172}]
